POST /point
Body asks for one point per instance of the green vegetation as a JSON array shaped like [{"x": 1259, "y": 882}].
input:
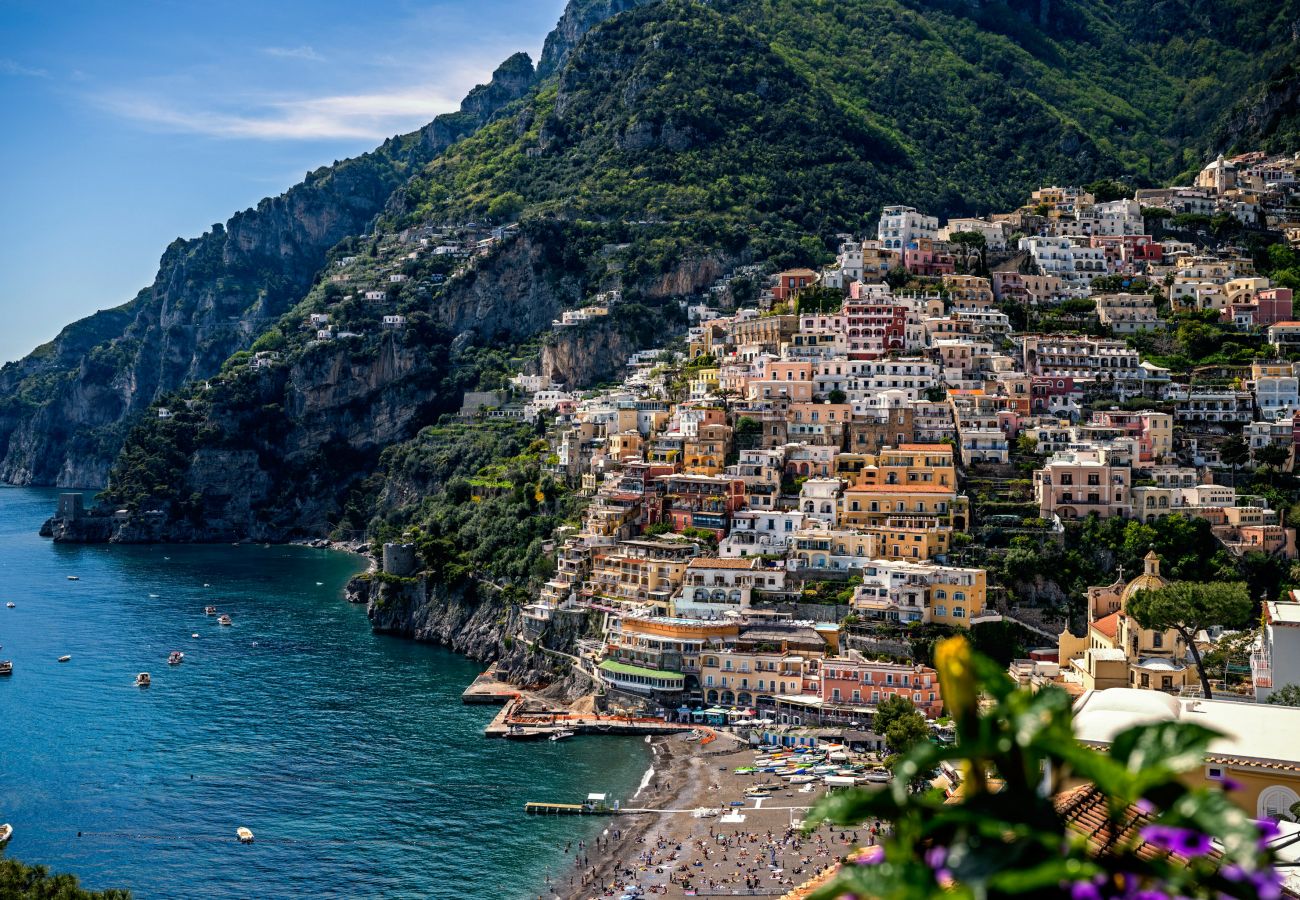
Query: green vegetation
[
  {"x": 1011, "y": 840},
  {"x": 20, "y": 882},
  {"x": 1188, "y": 607},
  {"x": 901, "y": 724}
]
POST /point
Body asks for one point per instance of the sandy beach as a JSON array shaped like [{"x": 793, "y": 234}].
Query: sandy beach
[{"x": 671, "y": 853}]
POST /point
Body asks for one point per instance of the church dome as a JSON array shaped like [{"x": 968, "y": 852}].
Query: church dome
[{"x": 1149, "y": 580}]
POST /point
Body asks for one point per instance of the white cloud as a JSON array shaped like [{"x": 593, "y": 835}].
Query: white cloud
[
  {"x": 370, "y": 115},
  {"x": 305, "y": 52},
  {"x": 13, "y": 67}
]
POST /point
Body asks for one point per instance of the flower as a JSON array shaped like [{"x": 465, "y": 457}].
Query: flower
[
  {"x": 935, "y": 857},
  {"x": 953, "y": 659},
  {"x": 1085, "y": 890},
  {"x": 1183, "y": 841},
  {"x": 868, "y": 856}
]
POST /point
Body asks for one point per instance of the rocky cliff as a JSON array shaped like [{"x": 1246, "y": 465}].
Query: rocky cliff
[{"x": 67, "y": 407}]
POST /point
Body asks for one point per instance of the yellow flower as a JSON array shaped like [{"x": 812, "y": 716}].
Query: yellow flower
[{"x": 952, "y": 657}]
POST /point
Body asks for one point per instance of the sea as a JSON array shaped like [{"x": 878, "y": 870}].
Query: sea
[{"x": 348, "y": 754}]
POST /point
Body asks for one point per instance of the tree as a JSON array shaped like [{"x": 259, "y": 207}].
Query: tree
[
  {"x": 900, "y": 723},
  {"x": 1234, "y": 451},
  {"x": 1187, "y": 608},
  {"x": 1272, "y": 455},
  {"x": 837, "y": 396},
  {"x": 1287, "y": 695},
  {"x": 20, "y": 881}
]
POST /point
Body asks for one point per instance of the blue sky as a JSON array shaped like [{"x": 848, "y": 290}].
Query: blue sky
[{"x": 128, "y": 124}]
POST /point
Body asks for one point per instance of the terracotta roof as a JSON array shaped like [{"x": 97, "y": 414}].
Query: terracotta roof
[
  {"x": 1084, "y": 811},
  {"x": 1108, "y": 625},
  {"x": 710, "y": 563},
  {"x": 1247, "y": 762},
  {"x": 901, "y": 489}
]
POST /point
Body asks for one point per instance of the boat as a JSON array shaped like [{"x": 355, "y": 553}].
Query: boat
[
  {"x": 224, "y": 620},
  {"x": 74, "y": 578},
  {"x": 561, "y": 735},
  {"x": 194, "y": 635},
  {"x": 746, "y": 770},
  {"x": 6, "y": 832},
  {"x": 245, "y": 836},
  {"x": 210, "y": 610},
  {"x": 10, "y": 604},
  {"x": 801, "y": 779},
  {"x": 6, "y": 667},
  {"x": 142, "y": 680},
  {"x": 64, "y": 658},
  {"x": 175, "y": 658}
]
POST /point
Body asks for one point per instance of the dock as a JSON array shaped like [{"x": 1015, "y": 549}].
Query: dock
[
  {"x": 565, "y": 809},
  {"x": 525, "y": 721},
  {"x": 487, "y": 689}
]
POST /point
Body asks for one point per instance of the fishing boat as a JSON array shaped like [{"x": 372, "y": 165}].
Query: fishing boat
[
  {"x": 561, "y": 735},
  {"x": 64, "y": 658},
  {"x": 6, "y": 832},
  {"x": 210, "y": 610},
  {"x": 801, "y": 779},
  {"x": 245, "y": 836},
  {"x": 175, "y": 658},
  {"x": 74, "y": 578},
  {"x": 142, "y": 680},
  {"x": 224, "y": 620},
  {"x": 6, "y": 667}
]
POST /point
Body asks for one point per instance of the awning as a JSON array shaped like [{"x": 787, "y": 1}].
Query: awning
[{"x": 618, "y": 668}]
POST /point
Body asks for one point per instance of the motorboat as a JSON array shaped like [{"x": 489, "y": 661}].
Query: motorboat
[
  {"x": 10, "y": 604},
  {"x": 175, "y": 658},
  {"x": 194, "y": 635},
  {"x": 64, "y": 658},
  {"x": 225, "y": 620},
  {"x": 74, "y": 578},
  {"x": 142, "y": 680},
  {"x": 561, "y": 735},
  {"x": 245, "y": 835},
  {"x": 6, "y": 667},
  {"x": 801, "y": 779},
  {"x": 6, "y": 832},
  {"x": 210, "y": 610}
]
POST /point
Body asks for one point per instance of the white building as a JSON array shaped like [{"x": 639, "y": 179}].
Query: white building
[{"x": 904, "y": 225}]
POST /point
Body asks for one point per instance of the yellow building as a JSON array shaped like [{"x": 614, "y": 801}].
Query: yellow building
[
  {"x": 1116, "y": 651},
  {"x": 625, "y": 445},
  {"x": 706, "y": 453},
  {"x": 746, "y": 678},
  {"x": 637, "y": 573}
]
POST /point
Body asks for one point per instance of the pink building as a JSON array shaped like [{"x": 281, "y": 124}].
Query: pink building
[
  {"x": 1274, "y": 305},
  {"x": 855, "y": 682}
]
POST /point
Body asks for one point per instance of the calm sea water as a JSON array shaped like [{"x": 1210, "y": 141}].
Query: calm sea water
[{"x": 348, "y": 754}]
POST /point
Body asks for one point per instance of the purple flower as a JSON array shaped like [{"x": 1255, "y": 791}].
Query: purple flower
[
  {"x": 869, "y": 856},
  {"x": 1267, "y": 831},
  {"x": 935, "y": 857},
  {"x": 1145, "y": 806},
  {"x": 1085, "y": 890},
  {"x": 1183, "y": 841},
  {"x": 1230, "y": 784},
  {"x": 1268, "y": 884}
]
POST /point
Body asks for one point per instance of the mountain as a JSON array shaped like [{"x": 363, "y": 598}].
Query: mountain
[{"x": 657, "y": 144}]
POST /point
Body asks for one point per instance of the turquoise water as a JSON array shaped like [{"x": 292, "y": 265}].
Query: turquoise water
[{"x": 348, "y": 754}]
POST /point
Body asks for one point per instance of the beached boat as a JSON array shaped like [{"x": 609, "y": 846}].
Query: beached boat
[
  {"x": 801, "y": 779},
  {"x": 876, "y": 776},
  {"x": 64, "y": 658},
  {"x": 6, "y": 667},
  {"x": 6, "y": 832},
  {"x": 746, "y": 770},
  {"x": 209, "y": 610},
  {"x": 561, "y": 735},
  {"x": 142, "y": 680},
  {"x": 245, "y": 836},
  {"x": 224, "y": 620},
  {"x": 175, "y": 658}
]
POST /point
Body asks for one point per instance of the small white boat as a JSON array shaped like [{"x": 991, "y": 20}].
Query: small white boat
[
  {"x": 10, "y": 604},
  {"x": 224, "y": 620},
  {"x": 74, "y": 578},
  {"x": 64, "y": 658},
  {"x": 801, "y": 779},
  {"x": 6, "y": 832},
  {"x": 210, "y": 610},
  {"x": 194, "y": 635},
  {"x": 175, "y": 658},
  {"x": 142, "y": 680},
  {"x": 6, "y": 667},
  {"x": 245, "y": 835},
  {"x": 561, "y": 735}
]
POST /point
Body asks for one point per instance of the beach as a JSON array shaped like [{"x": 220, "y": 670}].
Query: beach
[{"x": 672, "y": 853}]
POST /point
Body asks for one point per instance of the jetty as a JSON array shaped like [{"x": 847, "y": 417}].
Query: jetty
[
  {"x": 529, "y": 719},
  {"x": 488, "y": 689},
  {"x": 595, "y": 805}
]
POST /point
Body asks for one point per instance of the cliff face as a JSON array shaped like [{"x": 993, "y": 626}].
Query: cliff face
[{"x": 68, "y": 405}]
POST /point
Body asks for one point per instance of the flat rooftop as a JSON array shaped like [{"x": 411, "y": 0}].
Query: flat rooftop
[{"x": 1251, "y": 731}]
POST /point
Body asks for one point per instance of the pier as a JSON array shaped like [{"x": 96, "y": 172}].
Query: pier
[
  {"x": 520, "y": 720},
  {"x": 487, "y": 689}
]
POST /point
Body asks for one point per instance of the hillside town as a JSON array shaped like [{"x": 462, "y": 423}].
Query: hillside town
[{"x": 778, "y": 502}]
